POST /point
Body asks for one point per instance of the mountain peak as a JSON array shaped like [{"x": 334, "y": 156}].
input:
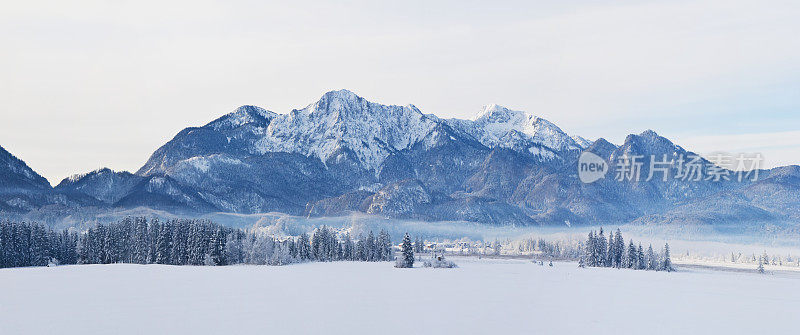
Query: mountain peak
[
  {"x": 342, "y": 94},
  {"x": 251, "y": 110},
  {"x": 337, "y": 101},
  {"x": 649, "y": 133},
  {"x": 343, "y": 121},
  {"x": 496, "y": 114},
  {"x": 649, "y": 142},
  {"x": 78, "y": 176},
  {"x": 15, "y": 173},
  {"x": 494, "y": 122},
  {"x": 602, "y": 147},
  {"x": 243, "y": 115},
  {"x": 518, "y": 120},
  {"x": 343, "y": 103},
  {"x": 103, "y": 184}
]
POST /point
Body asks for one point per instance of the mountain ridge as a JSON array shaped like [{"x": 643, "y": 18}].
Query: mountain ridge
[
  {"x": 15, "y": 173},
  {"x": 343, "y": 153}
]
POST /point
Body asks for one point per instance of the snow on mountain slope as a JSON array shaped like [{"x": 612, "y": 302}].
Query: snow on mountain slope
[
  {"x": 498, "y": 126},
  {"x": 103, "y": 184},
  {"x": 582, "y": 142},
  {"x": 243, "y": 115},
  {"x": 342, "y": 120},
  {"x": 342, "y": 123},
  {"x": 233, "y": 133}
]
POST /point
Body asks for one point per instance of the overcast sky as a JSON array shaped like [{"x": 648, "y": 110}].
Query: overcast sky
[{"x": 85, "y": 84}]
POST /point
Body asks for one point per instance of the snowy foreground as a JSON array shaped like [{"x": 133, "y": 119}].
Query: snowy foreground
[{"x": 482, "y": 296}]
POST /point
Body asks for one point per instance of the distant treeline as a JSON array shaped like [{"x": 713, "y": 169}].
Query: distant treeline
[
  {"x": 600, "y": 252},
  {"x": 543, "y": 249},
  {"x": 179, "y": 242}
]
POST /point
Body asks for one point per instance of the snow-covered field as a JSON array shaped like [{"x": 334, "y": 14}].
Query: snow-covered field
[{"x": 482, "y": 296}]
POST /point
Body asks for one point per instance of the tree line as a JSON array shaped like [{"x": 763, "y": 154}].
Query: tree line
[
  {"x": 23, "y": 244},
  {"x": 541, "y": 248},
  {"x": 612, "y": 252},
  {"x": 180, "y": 242}
]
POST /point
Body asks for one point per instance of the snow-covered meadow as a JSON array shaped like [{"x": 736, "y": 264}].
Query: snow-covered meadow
[{"x": 481, "y": 296}]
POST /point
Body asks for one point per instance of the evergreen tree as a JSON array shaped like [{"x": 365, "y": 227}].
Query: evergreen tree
[
  {"x": 361, "y": 250},
  {"x": 633, "y": 256},
  {"x": 591, "y": 250},
  {"x": 152, "y": 240},
  {"x": 613, "y": 252},
  {"x": 163, "y": 245},
  {"x": 667, "y": 264},
  {"x": 140, "y": 248},
  {"x": 234, "y": 253},
  {"x": 317, "y": 245},
  {"x": 348, "y": 252},
  {"x": 408, "y": 253},
  {"x": 601, "y": 250},
  {"x": 652, "y": 261},
  {"x": 38, "y": 247},
  {"x": 292, "y": 248},
  {"x": 370, "y": 247},
  {"x": 640, "y": 260},
  {"x": 419, "y": 245},
  {"x": 619, "y": 249},
  {"x": 5, "y": 244},
  {"x": 303, "y": 247},
  {"x": 385, "y": 246},
  {"x": 179, "y": 253},
  {"x": 217, "y": 247}
]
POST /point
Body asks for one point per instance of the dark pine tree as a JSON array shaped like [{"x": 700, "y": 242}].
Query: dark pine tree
[
  {"x": 633, "y": 256},
  {"x": 408, "y": 253}
]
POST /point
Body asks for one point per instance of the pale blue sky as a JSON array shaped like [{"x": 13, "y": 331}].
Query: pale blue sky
[{"x": 104, "y": 83}]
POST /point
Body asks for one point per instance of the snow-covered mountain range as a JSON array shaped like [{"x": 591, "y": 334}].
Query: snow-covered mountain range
[{"x": 345, "y": 154}]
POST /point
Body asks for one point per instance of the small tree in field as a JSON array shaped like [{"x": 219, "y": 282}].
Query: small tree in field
[
  {"x": 667, "y": 265},
  {"x": 407, "y": 261}
]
